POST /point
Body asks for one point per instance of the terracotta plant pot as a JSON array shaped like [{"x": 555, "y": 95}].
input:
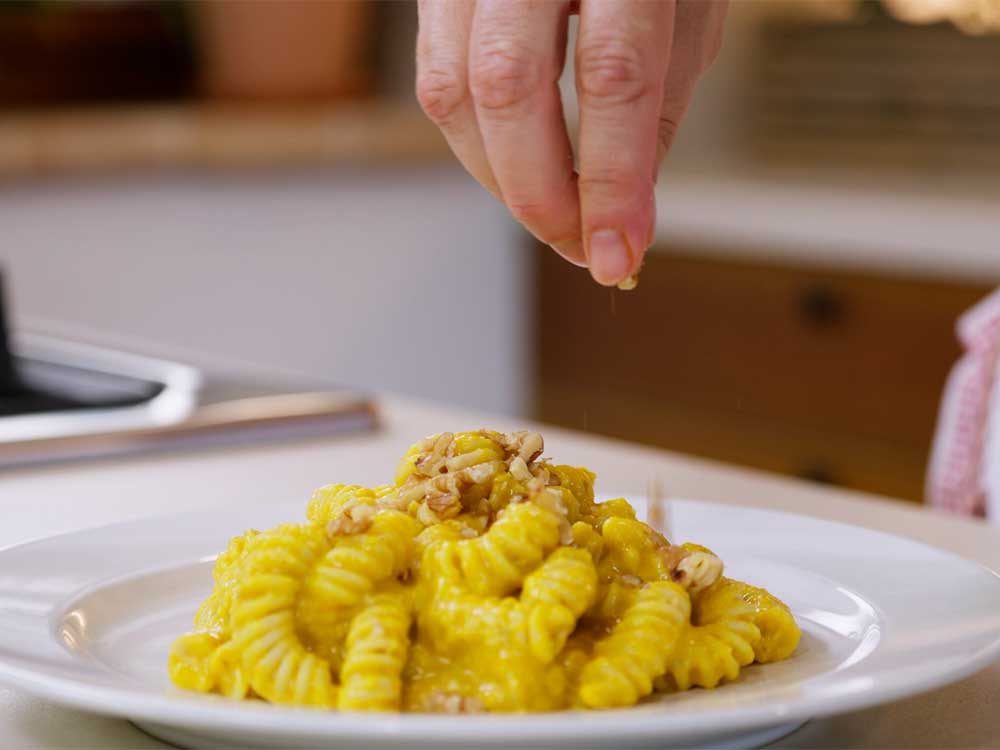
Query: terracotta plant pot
[
  {"x": 68, "y": 53},
  {"x": 284, "y": 49}
]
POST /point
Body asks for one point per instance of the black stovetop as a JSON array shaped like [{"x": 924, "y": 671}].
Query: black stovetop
[{"x": 22, "y": 392}]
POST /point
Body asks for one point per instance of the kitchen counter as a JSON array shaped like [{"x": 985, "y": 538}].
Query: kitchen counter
[
  {"x": 940, "y": 226},
  {"x": 99, "y": 140},
  {"x": 36, "y": 503}
]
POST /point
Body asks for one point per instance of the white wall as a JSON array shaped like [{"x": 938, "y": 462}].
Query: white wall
[{"x": 411, "y": 280}]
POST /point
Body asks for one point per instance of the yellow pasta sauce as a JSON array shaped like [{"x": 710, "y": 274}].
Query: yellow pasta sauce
[{"x": 484, "y": 578}]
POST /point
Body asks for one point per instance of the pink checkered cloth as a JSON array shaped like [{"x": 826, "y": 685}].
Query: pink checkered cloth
[{"x": 964, "y": 471}]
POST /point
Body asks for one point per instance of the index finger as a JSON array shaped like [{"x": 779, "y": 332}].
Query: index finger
[{"x": 622, "y": 52}]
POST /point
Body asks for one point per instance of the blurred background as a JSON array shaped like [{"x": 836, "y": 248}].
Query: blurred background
[{"x": 252, "y": 183}]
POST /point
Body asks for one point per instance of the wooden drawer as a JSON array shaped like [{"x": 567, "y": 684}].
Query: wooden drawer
[{"x": 831, "y": 375}]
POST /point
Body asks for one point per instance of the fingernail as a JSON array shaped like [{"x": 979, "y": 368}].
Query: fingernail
[
  {"x": 610, "y": 259},
  {"x": 571, "y": 250}
]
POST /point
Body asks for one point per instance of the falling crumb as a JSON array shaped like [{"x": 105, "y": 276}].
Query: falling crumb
[
  {"x": 357, "y": 520},
  {"x": 657, "y": 511}
]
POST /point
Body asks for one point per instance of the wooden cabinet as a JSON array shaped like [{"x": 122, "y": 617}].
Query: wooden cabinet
[{"x": 826, "y": 375}]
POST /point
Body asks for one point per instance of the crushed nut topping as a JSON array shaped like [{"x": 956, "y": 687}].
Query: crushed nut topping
[
  {"x": 441, "y": 480},
  {"x": 525, "y": 445},
  {"x": 444, "y": 505},
  {"x": 552, "y": 501},
  {"x": 542, "y": 474},
  {"x": 627, "y": 285},
  {"x": 426, "y": 516},
  {"x": 693, "y": 569},
  {"x": 452, "y": 703},
  {"x": 355, "y": 520},
  {"x": 519, "y": 470},
  {"x": 697, "y": 571},
  {"x": 432, "y": 454}
]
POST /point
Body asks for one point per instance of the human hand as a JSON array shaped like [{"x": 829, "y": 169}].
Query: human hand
[{"x": 487, "y": 75}]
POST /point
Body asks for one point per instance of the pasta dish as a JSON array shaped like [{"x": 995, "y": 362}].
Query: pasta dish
[{"x": 484, "y": 578}]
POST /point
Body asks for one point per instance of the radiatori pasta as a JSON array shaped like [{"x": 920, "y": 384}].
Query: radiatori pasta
[{"x": 484, "y": 578}]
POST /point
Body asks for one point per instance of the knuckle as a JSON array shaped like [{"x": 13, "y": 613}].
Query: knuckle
[
  {"x": 612, "y": 184},
  {"x": 502, "y": 75},
  {"x": 666, "y": 130},
  {"x": 713, "y": 50},
  {"x": 612, "y": 71},
  {"x": 441, "y": 93},
  {"x": 531, "y": 214},
  {"x": 717, "y": 25}
]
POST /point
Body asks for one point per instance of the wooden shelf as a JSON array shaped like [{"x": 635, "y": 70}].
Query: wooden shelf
[{"x": 214, "y": 136}]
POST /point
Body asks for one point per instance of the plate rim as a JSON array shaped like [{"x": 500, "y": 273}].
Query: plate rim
[
  {"x": 197, "y": 712},
  {"x": 117, "y": 702}
]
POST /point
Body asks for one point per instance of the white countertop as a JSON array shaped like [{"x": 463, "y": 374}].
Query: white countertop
[
  {"x": 40, "y": 502},
  {"x": 912, "y": 225}
]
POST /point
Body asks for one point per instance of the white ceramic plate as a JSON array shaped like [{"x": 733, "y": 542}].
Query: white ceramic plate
[{"x": 86, "y": 620}]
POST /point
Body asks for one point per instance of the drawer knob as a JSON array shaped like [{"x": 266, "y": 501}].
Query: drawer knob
[
  {"x": 819, "y": 472},
  {"x": 822, "y": 306}
]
